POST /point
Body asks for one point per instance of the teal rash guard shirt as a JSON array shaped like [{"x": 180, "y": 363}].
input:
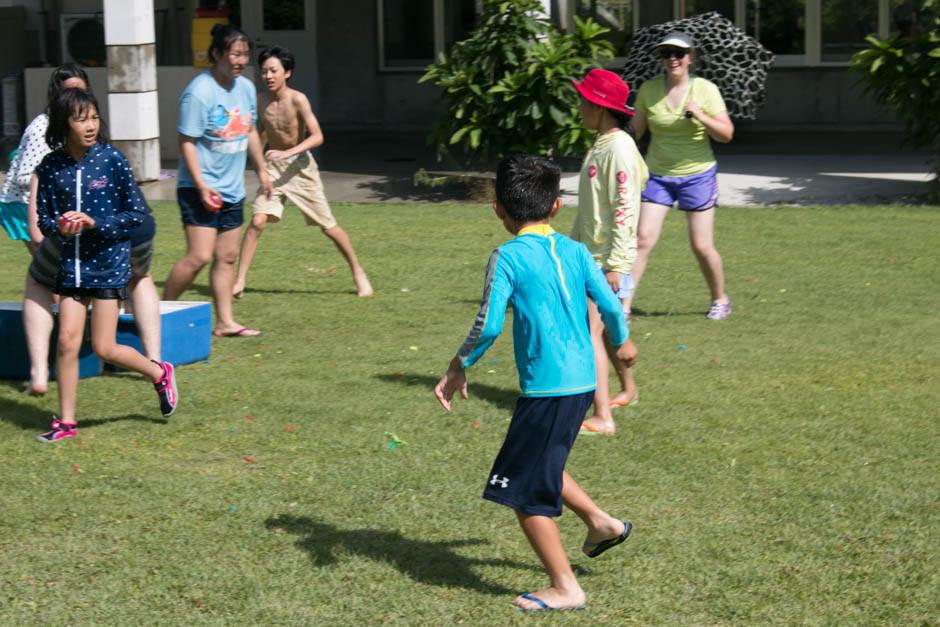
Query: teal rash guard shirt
[{"x": 547, "y": 278}]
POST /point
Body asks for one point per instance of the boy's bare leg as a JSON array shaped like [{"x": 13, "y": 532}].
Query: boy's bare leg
[
  {"x": 146, "y": 304},
  {"x": 601, "y": 420},
  {"x": 200, "y": 244},
  {"x": 600, "y": 524},
  {"x": 71, "y": 329},
  {"x": 628, "y": 390},
  {"x": 564, "y": 590},
  {"x": 37, "y": 325},
  {"x": 339, "y": 237},
  {"x": 249, "y": 246},
  {"x": 104, "y": 318},
  {"x": 221, "y": 278}
]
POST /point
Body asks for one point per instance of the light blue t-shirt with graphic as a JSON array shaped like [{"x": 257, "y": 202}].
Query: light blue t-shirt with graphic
[{"x": 220, "y": 120}]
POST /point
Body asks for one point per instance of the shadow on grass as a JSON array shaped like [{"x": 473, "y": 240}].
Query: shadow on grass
[
  {"x": 32, "y": 418},
  {"x": 206, "y": 291},
  {"x": 432, "y": 563},
  {"x": 642, "y": 313},
  {"x": 500, "y": 397}
]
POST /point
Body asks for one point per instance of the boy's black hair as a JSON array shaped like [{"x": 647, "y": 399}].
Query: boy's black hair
[
  {"x": 66, "y": 104},
  {"x": 527, "y": 186},
  {"x": 61, "y": 74},
  {"x": 285, "y": 56},
  {"x": 223, "y": 36}
]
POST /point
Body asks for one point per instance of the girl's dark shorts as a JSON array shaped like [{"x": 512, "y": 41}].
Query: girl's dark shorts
[
  {"x": 102, "y": 293},
  {"x": 527, "y": 473},
  {"x": 229, "y": 217},
  {"x": 45, "y": 265}
]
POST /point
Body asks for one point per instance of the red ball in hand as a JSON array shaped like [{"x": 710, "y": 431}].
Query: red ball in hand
[
  {"x": 69, "y": 226},
  {"x": 215, "y": 201}
]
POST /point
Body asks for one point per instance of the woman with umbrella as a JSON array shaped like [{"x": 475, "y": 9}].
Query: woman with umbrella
[{"x": 682, "y": 113}]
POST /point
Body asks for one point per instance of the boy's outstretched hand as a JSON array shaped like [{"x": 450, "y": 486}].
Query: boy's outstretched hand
[
  {"x": 627, "y": 353},
  {"x": 454, "y": 379}
]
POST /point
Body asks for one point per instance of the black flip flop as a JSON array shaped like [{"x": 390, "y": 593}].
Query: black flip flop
[{"x": 609, "y": 543}]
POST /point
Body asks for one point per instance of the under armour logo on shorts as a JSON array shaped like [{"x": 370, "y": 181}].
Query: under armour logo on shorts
[{"x": 503, "y": 483}]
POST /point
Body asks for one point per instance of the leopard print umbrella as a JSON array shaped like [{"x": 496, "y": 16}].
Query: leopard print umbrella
[{"x": 727, "y": 56}]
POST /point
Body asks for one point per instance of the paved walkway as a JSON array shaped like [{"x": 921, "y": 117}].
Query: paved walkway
[
  {"x": 753, "y": 171},
  {"x": 743, "y": 180}
]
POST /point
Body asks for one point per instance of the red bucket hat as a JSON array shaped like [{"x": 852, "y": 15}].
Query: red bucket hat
[{"x": 605, "y": 89}]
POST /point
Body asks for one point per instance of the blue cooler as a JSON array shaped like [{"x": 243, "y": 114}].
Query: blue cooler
[
  {"x": 14, "y": 358},
  {"x": 185, "y": 331}
]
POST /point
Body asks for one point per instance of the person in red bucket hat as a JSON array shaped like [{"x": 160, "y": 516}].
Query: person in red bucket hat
[{"x": 612, "y": 177}]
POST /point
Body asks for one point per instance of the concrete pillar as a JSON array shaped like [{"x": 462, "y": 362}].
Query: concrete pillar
[{"x": 132, "y": 84}]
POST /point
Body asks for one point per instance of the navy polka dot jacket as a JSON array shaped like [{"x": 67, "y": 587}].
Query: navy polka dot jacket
[{"x": 102, "y": 186}]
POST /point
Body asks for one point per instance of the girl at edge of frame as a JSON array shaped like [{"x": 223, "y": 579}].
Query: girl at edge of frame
[
  {"x": 18, "y": 194},
  {"x": 682, "y": 113},
  {"x": 612, "y": 176},
  {"x": 88, "y": 197}
]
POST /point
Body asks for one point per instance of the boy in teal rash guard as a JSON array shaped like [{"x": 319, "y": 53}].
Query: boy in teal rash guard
[{"x": 547, "y": 278}]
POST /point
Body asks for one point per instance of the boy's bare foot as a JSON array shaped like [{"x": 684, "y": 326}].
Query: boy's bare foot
[
  {"x": 238, "y": 290},
  {"x": 597, "y": 424},
  {"x": 554, "y": 598},
  {"x": 363, "y": 287},
  {"x": 35, "y": 389},
  {"x": 609, "y": 531},
  {"x": 624, "y": 399}
]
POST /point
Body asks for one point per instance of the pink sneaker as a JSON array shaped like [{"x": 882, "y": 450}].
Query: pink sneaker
[
  {"x": 719, "y": 311},
  {"x": 59, "y": 431},
  {"x": 166, "y": 389}
]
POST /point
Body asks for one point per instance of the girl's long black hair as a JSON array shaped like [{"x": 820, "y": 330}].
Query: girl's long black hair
[
  {"x": 61, "y": 74},
  {"x": 69, "y": 102}
]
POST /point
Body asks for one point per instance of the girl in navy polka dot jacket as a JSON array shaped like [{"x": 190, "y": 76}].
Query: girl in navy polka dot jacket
[{"x": 87, "y": 197}]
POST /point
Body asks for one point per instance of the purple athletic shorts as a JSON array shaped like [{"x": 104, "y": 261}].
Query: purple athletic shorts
[{"x": 697, "y": 192}]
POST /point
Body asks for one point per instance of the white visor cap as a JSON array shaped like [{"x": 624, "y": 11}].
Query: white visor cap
[{"x": 677, "y": 39}]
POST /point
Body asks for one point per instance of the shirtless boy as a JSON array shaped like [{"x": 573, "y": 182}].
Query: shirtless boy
[{"x": 291, "y": 130}]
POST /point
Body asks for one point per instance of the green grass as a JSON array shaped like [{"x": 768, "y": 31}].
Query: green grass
[{"x": 781, "y": 469}]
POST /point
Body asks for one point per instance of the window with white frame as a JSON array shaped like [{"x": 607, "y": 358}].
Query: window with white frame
[
  {"x": 413, "y": 32},
  {"x": 615, "y": 15},
  {"x": 799, "y": 32}
]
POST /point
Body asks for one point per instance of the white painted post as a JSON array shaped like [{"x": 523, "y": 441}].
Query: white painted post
[{"x": 132, "y": 84}]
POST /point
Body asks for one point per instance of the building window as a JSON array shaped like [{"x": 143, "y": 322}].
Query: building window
[
  {"x": 799, "y": 32},
  {"x": 844, "y": 25},
  {"x": 616, "y": 15},
  {"x": 413, "y": 32},
  {"x": 283, "y": 15},
  {"x": 408, "y": 33},
  {"x": 697, "y": 7},
  {"x": 780, "y": 25}
]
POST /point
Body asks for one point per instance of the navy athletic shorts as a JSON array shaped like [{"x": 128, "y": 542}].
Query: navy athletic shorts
[
  {"x": 230, "y": 216},
  {"x": 527, "y": 473}
]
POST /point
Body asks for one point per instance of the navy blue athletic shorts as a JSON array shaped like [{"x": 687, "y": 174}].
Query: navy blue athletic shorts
[
  {"x": 527, "y": 473},
  {"x": 229, "y": 217},
  {"x": 102, "y": 293}
]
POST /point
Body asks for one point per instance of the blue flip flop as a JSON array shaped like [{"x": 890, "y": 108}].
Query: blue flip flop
[
  {"x": 609, "y": 543},
  {"x": 543, "y": 606}
]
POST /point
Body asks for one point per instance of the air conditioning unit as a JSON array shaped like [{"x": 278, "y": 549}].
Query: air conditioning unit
[{"x": 82, "y": 39}]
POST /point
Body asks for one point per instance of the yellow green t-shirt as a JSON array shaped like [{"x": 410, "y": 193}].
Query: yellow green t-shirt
[
  {"x": 612, "y": 178},
  {"x": 679, "y": 146}
]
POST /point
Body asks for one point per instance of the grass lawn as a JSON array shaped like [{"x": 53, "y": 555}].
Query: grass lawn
[{"x": 781, "y": 467}]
